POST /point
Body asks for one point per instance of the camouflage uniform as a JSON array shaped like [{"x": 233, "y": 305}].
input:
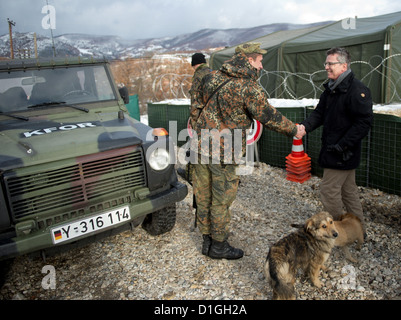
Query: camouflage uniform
[
  {"x": 215, "y": 189},
  {"x": 233, "y": 107}
]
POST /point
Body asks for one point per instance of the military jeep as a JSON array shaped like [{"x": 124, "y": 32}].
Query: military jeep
[{"x": 74, "y": 166}]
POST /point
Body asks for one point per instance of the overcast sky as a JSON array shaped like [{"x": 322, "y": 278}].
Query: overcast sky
[{"x": 140, "y": 19}]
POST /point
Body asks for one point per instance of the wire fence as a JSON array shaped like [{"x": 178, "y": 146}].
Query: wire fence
[
  {"x": 172, "y": 86},
  {"x": 298, "y": 85}
]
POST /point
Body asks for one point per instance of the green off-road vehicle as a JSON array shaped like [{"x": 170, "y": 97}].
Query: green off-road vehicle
[{"x": 74, "y": 165}]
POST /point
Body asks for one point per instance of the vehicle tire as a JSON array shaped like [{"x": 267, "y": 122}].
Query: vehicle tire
[{"x": 160, "y": 221}]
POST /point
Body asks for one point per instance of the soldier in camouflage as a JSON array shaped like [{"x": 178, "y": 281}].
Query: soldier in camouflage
[
  {"x": 198, "y": 63},
  {"x": 221, "y": 114}
]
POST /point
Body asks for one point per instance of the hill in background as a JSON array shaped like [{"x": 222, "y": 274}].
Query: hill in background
[{"x": 114, "y": 47}]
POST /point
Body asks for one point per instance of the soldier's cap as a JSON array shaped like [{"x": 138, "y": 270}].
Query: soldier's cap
[
  {"x": 250, "y": 47},
  {"x": 198, "y": 58}
]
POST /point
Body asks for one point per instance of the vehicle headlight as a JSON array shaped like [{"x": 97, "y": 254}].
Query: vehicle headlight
[{"x": 159, "y": 159}]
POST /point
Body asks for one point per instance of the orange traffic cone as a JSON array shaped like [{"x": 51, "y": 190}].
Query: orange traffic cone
[{"x": 298, "y": 163}]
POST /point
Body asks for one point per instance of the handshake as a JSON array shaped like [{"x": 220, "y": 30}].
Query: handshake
[{"x": 301, "y": 131}]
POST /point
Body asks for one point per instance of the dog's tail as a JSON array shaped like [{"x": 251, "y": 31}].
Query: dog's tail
[{"x": 282, "y": 287}]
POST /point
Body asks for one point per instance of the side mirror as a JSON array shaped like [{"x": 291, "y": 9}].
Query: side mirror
[{"x": 124, "y": 94}]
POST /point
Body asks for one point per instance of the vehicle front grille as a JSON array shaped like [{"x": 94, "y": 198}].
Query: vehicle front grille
[{"x": 92, "y": 178}]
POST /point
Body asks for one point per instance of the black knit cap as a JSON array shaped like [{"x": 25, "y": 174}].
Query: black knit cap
[{"x": 198, "y": 58}]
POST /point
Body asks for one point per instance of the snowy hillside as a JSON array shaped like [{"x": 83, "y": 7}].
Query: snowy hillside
[{"x": 114, "y": 47}]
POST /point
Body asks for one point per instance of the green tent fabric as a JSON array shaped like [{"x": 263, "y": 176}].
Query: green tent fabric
[
  {"x": 133, "y": 107},
  {"x": 269, "y": 42},
  {"x": 294, "y": 61}
]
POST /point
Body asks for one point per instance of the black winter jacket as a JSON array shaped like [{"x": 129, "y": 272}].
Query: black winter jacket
[{"x": 346, "y": 115}]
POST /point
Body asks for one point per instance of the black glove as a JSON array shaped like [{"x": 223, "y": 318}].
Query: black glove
[
  {"x": 335, "y": 148},
  {"x": 346, "y": 155}
]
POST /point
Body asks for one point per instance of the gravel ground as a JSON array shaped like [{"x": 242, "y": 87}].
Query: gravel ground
[{"x": 137, "y": 266}]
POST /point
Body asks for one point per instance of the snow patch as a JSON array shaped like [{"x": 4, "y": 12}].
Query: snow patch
[{"x": 289, "y": 103}]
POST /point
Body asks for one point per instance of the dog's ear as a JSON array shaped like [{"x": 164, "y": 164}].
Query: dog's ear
[
  {"x": 298, "y": 226},
  {"x": 308, "y": 225}
]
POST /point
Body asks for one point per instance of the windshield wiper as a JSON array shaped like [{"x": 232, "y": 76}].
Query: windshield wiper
[
  {"x": 14, "y": 116},
  {"x": 58, "y": 103}
]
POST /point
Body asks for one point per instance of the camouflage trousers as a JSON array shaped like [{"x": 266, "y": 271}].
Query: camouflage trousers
[{"x": 215, "y": 188}]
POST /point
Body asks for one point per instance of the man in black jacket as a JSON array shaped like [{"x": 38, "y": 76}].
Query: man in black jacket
[{"x": 345, "y": 111}]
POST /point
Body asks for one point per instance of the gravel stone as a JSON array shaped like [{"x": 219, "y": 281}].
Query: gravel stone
[{"x": 137, "y": 266}]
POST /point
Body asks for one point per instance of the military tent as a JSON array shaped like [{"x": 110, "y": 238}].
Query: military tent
[{"x": 294, "y": 62}]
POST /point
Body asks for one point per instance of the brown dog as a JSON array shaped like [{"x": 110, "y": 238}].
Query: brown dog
[
  {"x": 308, "y": 248},
  {"x": 349, "y": 229}
]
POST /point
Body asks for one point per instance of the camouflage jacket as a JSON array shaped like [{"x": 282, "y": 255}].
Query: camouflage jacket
[
  {"x": 200, "y": 72},
  {"x": 221, "y": 126}
]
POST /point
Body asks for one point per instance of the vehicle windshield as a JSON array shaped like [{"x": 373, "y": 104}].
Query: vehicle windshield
[{"x": 20, "y": 90}]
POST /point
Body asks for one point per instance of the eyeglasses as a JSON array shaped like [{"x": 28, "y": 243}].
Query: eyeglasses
[{"x": 330, "y": 63}]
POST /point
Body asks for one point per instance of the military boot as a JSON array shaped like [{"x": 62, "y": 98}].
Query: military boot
[
  {"x": 207, "y": 242},
  {"x": 223, "y": 250}
]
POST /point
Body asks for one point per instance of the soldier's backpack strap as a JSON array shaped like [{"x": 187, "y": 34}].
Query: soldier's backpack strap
[
  {"x": 213, "y": 93},
  {"x": 217, "y": 89}
]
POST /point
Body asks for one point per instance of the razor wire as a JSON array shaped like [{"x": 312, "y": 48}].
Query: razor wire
[
  {"x": 393, "y": 84},
  {"x": 177, "y": 86},
  {"x": 172, "y": 86},
  {"x": 283, "y": 86}
]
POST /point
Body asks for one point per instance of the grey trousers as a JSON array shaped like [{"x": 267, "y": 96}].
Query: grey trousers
[{"x": 338, "y": 190}]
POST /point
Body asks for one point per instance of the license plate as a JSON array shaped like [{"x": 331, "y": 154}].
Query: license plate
[{"x": 91, "y": 224}]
